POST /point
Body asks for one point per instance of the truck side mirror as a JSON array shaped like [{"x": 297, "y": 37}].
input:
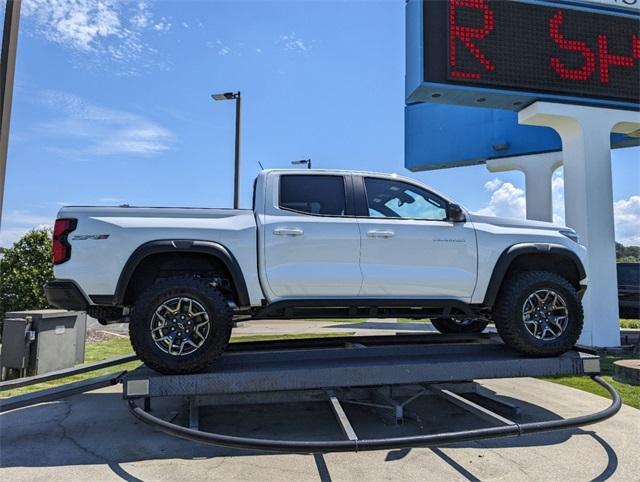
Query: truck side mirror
[{"x": 454, "y": 213}]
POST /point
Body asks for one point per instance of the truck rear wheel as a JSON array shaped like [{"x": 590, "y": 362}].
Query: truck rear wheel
[
  {"x": 539, "y": 313},
  {"x": 452, "y": 325},
  {"x": 180, "y": 325}
]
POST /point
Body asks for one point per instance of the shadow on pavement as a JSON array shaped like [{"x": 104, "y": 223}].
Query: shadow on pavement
[{"x": 96, "y": 428}]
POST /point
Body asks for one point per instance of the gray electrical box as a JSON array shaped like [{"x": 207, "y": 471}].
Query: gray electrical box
[
  {"x": 15, "y": 346},
  {"x": 42, "y": 341}
]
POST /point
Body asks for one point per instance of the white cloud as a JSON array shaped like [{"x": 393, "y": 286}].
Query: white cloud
[
  {"x": 162, "y": 26},
  {"x": 557, "y": 196},
  {"x": 78, "y": 24},
  {"x": 8, "y": 236},
  {"x": 509, "y": 201},
  {"x": 26, "y": 218},
  {"x": 18, "y": 222},
  {"x": 506, "y": 200},
  {"x": 112, "y": 29},
  {"x": 99, "y": 131},
  {"x": 111, "y": 200},
  {"x": 493, "y": 184},
  {"x": 293, "y": 42},
  {"x": 221, "y": 47},
  {"x": 627, "y": 218}
]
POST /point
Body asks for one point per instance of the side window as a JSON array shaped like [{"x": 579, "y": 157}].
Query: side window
[
  {"x": 311, "y": 194},
  {"x": 394, "y": 199}
]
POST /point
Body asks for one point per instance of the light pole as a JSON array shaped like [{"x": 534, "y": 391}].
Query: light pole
[
  {"x": 236, "y": 178},
  {"x": 7, "y": 69},
  {"x": 302, "y": 161}
]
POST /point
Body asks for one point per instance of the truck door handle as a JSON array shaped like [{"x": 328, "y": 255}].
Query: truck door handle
[
  {"x": 380, "y": 234},
  {"x": 288, "y": 232}
]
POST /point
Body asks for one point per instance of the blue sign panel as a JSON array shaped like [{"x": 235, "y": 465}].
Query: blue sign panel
[
  {"x": 438, "y": 136},
  {"x": 507, "y": 55}
]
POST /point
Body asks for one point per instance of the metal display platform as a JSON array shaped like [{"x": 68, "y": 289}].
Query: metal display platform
[
  {"x": 384, "y": 373},
  {"x": 389, "y": 375},
  {"x": 356, "y": 362}
]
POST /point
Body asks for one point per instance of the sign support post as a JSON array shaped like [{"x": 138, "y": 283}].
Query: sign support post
[
  {"x": 538, "y": 170},
  {"x": 586, "y": 152}
]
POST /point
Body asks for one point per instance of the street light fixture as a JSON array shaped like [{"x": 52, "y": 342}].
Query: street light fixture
[
  {"x": 225, "y": 96},
  {"x": 302, "y": 161},
  {"x": 236, "y": 180}
]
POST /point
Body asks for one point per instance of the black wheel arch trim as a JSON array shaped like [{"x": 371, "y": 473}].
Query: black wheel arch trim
[
  {"x": 511, "y": 253},
  {"x": 211, "y": 248}
]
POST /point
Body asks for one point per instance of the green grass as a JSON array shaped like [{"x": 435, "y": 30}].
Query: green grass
[
  {"x": 115, "y": 347},
  {"x": 629, "y": 394},
  {"x": 625, "y": 323},
  {"x": 101, "y": 350}
]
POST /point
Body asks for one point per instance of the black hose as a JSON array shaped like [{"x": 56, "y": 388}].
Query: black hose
[
  {"x": 295, "y": 446},
  {"x": 562, "y": 424}
]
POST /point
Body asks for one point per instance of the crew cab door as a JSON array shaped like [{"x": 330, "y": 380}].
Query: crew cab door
[
  {"x": 409, "y": 248},
  {"x": 310, "y": 247}
]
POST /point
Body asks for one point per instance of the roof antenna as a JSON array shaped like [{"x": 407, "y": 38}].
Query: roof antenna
[{"x": 261, "y": 166}]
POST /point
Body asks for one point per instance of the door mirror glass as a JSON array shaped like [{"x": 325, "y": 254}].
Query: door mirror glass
[{"x": 454, "y": 213}]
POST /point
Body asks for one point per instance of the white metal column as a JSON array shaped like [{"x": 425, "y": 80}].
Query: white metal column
[
  {"x": 538, "y": 170},
  {"x": 586, "y": 152}
]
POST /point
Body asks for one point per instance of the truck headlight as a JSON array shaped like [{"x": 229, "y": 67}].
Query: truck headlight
[{"x": 571, "y": 234}]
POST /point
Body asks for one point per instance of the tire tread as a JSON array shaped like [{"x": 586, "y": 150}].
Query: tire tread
[
  {"x": 508, "y": 300},
  {"x": 177, "y": 284}
]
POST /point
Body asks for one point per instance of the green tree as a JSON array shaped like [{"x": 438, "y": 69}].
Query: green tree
[
  {"x": 24, "y": 268},
  {"x": 627, "y": 254}
]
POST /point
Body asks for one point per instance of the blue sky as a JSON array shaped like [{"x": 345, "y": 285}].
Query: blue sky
[{"x": 111, "y": 105}]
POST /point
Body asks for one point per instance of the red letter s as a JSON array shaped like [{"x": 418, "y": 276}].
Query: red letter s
[{"x": 589, "y": 65}]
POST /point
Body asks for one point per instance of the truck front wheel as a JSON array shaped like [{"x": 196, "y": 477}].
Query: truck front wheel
[
  {"x": 539, "y": 313},
  {"x": 180, "y": 325}
]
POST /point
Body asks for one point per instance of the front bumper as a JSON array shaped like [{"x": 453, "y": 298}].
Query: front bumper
[{"x": 66, "y": 294}]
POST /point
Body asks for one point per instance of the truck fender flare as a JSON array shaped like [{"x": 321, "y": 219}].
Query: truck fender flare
[
  {"x": 183, "y": 246},
  {"x": 511, "y": 253}
]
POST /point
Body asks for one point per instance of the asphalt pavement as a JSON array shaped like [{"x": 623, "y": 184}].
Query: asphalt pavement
[{"x": 94, "y": 437}]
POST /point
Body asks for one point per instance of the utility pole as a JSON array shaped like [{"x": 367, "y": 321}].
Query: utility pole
[{"x": 7, "y": 71}]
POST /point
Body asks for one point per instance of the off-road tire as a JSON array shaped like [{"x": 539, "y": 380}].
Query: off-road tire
[
  {"x": 450, "y": 325},
  {"x": 509, "y": 320},
  {"x": 220, "y": 318}
]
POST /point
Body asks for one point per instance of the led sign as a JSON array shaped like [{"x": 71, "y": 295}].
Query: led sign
[{"x": 533, "y": 48}]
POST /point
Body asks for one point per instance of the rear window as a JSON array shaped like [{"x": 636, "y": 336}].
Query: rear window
[{"x": 323, "y": 195}]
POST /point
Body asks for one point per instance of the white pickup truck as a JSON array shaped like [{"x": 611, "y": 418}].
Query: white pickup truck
[{"x": 316, "y": 244}]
